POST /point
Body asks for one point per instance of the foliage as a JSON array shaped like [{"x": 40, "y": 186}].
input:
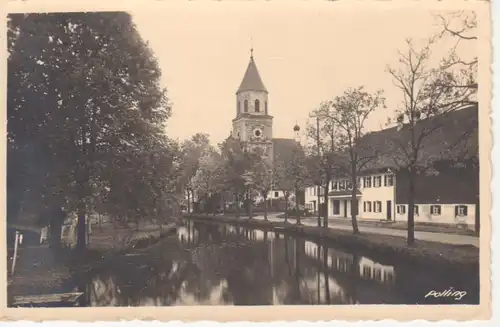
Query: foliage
[{"x": 86, "y": 118}]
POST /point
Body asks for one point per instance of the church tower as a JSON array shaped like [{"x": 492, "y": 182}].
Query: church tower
[{"x": 253, "y": 125}]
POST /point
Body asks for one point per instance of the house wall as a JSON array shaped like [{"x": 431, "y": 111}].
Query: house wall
[
  {"x": 447, "y": 215},
  {"x": 311, "y": 198},
  {"x": 382, "y": 193}
]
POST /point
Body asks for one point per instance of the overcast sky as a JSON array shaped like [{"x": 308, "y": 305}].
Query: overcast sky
[{"x": 304, "y": 53}]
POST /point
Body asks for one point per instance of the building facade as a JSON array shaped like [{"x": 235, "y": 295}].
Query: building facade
[{"x": 447, "y": 195}]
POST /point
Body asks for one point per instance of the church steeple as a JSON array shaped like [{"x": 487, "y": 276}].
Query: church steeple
[{"x": 251, "y": 80}]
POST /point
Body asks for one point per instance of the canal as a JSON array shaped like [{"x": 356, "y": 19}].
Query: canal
[{"x": 214, "y": 264}]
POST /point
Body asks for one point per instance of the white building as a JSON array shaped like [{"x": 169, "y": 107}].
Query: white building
[{"x": 448, "y": 196}]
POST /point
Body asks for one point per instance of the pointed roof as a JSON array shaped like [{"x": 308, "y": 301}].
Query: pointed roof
[{"x": 251, "y": 81}]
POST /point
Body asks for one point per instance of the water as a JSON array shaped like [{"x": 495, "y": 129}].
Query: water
[{"x": 210, "y": 264}]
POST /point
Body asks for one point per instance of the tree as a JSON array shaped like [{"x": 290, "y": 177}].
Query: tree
[
  {"x": 427, "y": 93},
  {"x": 323, "y": 148},
  {"x": 192, "y": 150},
  {"x": 237, "y": 163},
  {"x": 461, "y": 27},
  {"x": 206, "y": 182},
  {"x": 84, "y": 99},
  {"x": 348, "y": 113},
  {"x": 262, "y": 175},
  {"x": 291, "y": 176}
]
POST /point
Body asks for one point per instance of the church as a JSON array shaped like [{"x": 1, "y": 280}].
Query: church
[{"x": 253, "y": 124}]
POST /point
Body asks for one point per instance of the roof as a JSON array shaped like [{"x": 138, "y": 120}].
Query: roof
[
  {"x": 453, "y": 186},
  {"x": 455, "y": 137},
  {"x": 251, "y": 80}
]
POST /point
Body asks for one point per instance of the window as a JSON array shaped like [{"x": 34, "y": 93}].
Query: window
[
  {"x": 388, "y": 180},
  {"x": 367, "y": 206},
  {"x": 276, "y": 194},
  {"x": 334, "y": 186},
  {"x": 401, "y": 209},
  {"x": 265, "y": 105},
  {"x": 358, "y": 182},
  {"x": 460, "y": 211},
  {"x": 367, "y": 181},
  {"x": 342, "y": 185},
  {"x": 436, "y": 210},
  {"x": 245, "y": 105},
  {"x": 314, "y": 191},
  {"x": 349, "y": 185},
  {"x": 257, "y": 105},
  {"x": 377, "y": 181},
  {"x": 415, "y": 209},
  {"x": 336, "y": 207},
  {"x": 377, "y": 206},
  {"x": 239, "y": 108}
]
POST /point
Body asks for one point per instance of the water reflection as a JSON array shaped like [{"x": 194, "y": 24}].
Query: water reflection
[{"x": 211, "y": 264}]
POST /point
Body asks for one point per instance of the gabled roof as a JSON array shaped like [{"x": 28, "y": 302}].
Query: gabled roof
[
  {"x": 251, "y": 80},
  {"x": 455, "y": 138}
]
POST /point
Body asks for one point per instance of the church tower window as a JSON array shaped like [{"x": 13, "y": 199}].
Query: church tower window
[
  {"x": 239, "y": 109},
  {"x": 257, "y": 105},
  {"x": 245, "y": 105},
  {"x": 265, "y": 105}
]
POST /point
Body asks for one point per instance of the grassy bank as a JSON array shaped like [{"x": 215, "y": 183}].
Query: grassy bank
[
  {"x": 40, "y": 270},
  {"x": 382, "y": 246}
]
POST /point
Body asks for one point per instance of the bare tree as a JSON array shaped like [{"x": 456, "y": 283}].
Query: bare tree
[
  {"x": 349, "y": 113},
  {"x": 321, "y": 134},
  {"x": 426, "y": 93},
  {"x": 461, "y": 27}
]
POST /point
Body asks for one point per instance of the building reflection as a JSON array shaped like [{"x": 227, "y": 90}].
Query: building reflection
[{"x": 213, "y": 264}]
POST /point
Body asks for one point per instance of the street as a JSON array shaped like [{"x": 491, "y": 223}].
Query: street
[{"x": 423, "y": 236}]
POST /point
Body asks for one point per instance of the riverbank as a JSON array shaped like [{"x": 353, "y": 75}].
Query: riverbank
[
  {"x": 41, "y": 270},
  {"x": 461, "y": 257},
  {"x": 398, "y": 225}
]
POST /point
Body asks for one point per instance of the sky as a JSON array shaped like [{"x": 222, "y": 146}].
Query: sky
[{"x": 305, "y": 54}]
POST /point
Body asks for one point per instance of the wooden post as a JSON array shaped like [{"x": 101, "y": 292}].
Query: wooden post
[{"x": 15, "y": 253}]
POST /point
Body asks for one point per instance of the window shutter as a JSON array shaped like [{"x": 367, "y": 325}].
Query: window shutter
[
  {"x": 456, "y": 211},
  {"x": 465, "y": 210}
]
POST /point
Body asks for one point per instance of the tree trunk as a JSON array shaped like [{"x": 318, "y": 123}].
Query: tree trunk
[
  {"x": 286, "y": 208},
  {"x": 411, "y": 206},
  {"x": 249, "y": 203},
  {"x": 189, "y": 202},
  {"x": 297, "y": 205},
  {"x": 354, "y": 202},
  {"x": 318, "y": 206},
  {"x": 237, "y": 202},
  {"x": 265, "y": 206},
  {"x": 325, "y": 198},
  {"x": 81, "y": 229}
]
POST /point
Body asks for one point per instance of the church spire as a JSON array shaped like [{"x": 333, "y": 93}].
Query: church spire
[{"x": 251, "y": 80}]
